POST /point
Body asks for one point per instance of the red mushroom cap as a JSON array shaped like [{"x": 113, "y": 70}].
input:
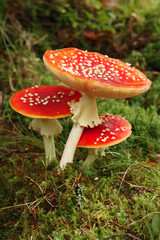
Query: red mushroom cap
[
  {"x": 44, "y": 101},
  {"x": 96, "y": 74},
  {"x": 111, "y": 131}
]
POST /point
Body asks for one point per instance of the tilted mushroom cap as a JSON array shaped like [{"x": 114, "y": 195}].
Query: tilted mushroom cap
[
  {"x": 49, "y": 101},
  {"x": 111, "y": 131},
  {"x": 96, "y": 74},
  {"x": 45, "y": 104}
]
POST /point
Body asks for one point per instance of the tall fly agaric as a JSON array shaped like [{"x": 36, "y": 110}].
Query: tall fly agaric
[
  {"x": 95, "y": 75},
  {"x": 112, "y": 130},
  {"x": 45, "y": 104}
]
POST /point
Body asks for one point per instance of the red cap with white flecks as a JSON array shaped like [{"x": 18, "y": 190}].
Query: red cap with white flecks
[
  {"x": 96, "y": 74},
  {"x": 112, "y": 130},
  {"x": 49, "y": 101}
]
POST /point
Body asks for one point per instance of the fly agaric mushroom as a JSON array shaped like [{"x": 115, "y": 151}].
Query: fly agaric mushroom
[
  {"x": 95, "y": 75},
  {"x": 45, "y": 104},
  {"x": 112, "y": 130}
]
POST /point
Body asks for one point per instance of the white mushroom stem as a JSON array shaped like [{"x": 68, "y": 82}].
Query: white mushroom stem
[
  {"x": 71, "y": 144},
  {"x": 48, "y": 128},
  {"x": 90, "y": 158},
  {"x": 49, "y": 148},
  {"x": 85, "y": 111},
  {"x": 92, "y": 155},
  {"x": 85, "y": 114}
]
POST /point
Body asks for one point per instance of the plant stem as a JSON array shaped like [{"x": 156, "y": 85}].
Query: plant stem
[
  {"x": 48, "y": 128},
  {"x": 92, "y": 154},
  {"x": 71, "y": 145},
  {"x": 49, "y": 147},
  {"x": 85, "y": 114},
  {"x": 90, "y": 158}
]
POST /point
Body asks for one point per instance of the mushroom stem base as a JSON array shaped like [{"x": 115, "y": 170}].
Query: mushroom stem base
[
  {"x": 48, "y": 128},
  {"x": 92, "y": 155},
  {"x": 49, "y": 147},
  {"x": 89, "y": 159},
  {"x": 71, "y": 145}
]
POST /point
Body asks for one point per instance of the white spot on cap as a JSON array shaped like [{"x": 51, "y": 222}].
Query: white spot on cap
[
  {"x": 112, "y": 133},
  {"x": 45, "y": 103},
  {"x": 71, "y": 93}
]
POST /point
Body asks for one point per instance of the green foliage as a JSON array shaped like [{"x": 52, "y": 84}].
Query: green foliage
[
  {"x": 2, "y": 10},
  {"x": 156, "y": 224}
]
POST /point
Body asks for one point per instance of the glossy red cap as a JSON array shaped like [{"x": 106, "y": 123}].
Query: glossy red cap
[
  {"x": 112, "y": 130},
  {"x": 96, "y": 74},
  {"x": 44, "y": 101}
]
